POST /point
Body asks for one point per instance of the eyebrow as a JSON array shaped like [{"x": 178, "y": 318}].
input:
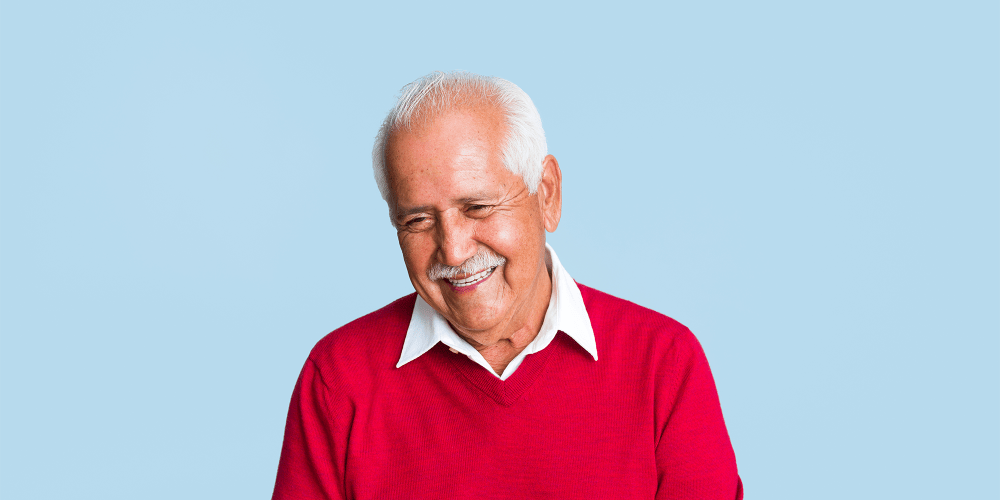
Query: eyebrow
[
  {"x": 481, "y": 196},
  {"x": 414, "y": 210}
]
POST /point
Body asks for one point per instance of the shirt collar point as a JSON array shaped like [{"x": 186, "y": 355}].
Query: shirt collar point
[{"x": 427, "y": 327}]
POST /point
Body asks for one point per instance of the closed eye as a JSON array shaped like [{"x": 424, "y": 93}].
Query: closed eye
[
  {"x": 478, "y": 211},
  {"x": 417, "y": 223}
]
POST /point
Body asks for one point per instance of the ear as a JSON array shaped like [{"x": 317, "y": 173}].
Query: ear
[{"x": 550, "y": 193}]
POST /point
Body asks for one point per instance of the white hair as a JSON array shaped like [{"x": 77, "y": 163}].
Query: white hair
[
  {"x": 484, "y": 259},
  {"x": 430, "y": 95}
]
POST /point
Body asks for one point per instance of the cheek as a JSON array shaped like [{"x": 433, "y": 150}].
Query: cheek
[
  {"x": 516, "y": 240},
  {"x": 500, "y": 235},
  {"x": 417, "y": 253}
]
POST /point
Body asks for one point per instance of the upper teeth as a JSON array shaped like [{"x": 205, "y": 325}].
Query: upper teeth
[{"x": 475, "y": 278}]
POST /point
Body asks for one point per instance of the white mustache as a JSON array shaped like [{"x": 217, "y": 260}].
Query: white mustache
[{"x": 483, "y": 259}]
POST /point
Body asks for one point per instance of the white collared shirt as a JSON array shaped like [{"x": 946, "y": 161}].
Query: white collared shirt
[{"x": 566, "y": 313}]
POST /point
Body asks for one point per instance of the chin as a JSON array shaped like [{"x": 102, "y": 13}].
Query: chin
[
  {"x": 474, "y": 324},
  {"x": 471, "y": 311}
]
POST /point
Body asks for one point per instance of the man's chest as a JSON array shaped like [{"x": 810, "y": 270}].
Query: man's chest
[{"x": 547, "y": 436}]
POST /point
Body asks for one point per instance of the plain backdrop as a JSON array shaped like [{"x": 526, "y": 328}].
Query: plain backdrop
[{"x": 187, "y": 206}]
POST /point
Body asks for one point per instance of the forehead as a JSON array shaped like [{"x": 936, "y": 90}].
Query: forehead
[
  {"x": 449, "y": 157},
  {"x": 442, "y": 128}
]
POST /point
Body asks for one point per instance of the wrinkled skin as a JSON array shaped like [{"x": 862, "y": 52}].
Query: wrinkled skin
[{"x": 451, "y": 195}]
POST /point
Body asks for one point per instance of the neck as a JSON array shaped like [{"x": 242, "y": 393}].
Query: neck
[{"x": 501, "y": 353}]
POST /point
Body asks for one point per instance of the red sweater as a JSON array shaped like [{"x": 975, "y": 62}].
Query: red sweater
[{"x": 641, "y": 422}]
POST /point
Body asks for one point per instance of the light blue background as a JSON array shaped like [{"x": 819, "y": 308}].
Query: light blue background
[{"x": 187, "y": 206}]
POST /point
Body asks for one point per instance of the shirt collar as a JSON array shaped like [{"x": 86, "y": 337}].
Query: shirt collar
[{"x": 566, "y": 313}]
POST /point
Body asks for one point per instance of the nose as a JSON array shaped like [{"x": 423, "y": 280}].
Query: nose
[{"x": 455, "y": 238}]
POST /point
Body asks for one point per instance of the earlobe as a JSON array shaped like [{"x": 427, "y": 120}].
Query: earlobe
[{"x": 550, "y": 193}]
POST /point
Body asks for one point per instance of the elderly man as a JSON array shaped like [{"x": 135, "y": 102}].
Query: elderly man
[{"x": 500, "y": 377}]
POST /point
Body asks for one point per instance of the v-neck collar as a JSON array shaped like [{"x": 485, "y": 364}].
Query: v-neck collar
[{"x": 505, "y": 392}]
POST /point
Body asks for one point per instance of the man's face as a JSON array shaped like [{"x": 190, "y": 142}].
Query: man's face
[{"x": 451, "y": 199}]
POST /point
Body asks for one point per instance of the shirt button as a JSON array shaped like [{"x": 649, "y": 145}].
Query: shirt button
[{"x": 452, "y": 349}]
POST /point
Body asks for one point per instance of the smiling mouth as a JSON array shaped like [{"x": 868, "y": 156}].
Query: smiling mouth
[{"x": 474, "y": 279}]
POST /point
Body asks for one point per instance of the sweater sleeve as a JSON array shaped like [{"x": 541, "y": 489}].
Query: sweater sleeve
[
  {"x": 314, "y": 448},
  {"x": 694, "y": 457}
]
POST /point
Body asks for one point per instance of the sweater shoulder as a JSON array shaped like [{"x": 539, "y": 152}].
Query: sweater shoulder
[
  {"x": 625, "y": 325},
  {"x": 373, "y": 341}
]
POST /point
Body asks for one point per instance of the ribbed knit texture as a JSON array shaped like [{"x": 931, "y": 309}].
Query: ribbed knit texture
[{"x": 641, "y": 422}]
